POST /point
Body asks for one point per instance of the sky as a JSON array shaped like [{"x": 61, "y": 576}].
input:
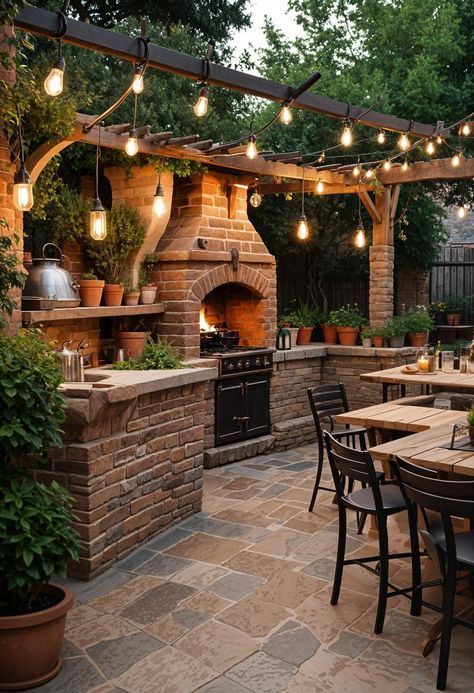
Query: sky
[{"x": 277, "y": 10}]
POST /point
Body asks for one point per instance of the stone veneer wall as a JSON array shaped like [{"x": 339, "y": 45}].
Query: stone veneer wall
[
  {"x": 134, "y": 466},
  {"x": 412, "y": 289}
]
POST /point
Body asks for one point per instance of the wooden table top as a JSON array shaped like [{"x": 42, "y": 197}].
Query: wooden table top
[
  {"x": 400, "y": 417},
  {"x": 456, "y": 379}
]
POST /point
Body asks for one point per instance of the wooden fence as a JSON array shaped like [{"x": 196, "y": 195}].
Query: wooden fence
[{"x": 453, "y": 274}]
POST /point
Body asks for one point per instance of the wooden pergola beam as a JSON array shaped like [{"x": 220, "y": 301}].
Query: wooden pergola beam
[
  {"x": 309, "y": 187},
  {"x": 438, "y": 169},
  {"x": 369, "y": 205},
  {"x": 35, "y": 20}
]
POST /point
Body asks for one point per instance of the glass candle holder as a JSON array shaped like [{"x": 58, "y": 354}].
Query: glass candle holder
[
  {"x": 447, "y": 362},
  {"x": 464, "y": 359},
  {"x": 423, "y": 364}
]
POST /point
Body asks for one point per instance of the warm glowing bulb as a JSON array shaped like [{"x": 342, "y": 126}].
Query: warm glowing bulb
[
  {"x": 302, "y": 230},
  {"x": 159, "y": 205},
  {"x": 286, "y": 115},
  {"x": 405, "y": 165},
  {"x": 98, "y": 221},
  {"x": 137, "y": 84},
  {"x": 346, "y": 137},
  {"x": 356, "y": 171},
  {"x": 251, "y": 152},
  {"x": 430, "y": 148},
  {"x": 404, "y": 141},
  {"x": 255, "y": 199},
  {"x": 359, "y": 239},
  {"x": 53, "y": 84},
  {"x": 439, "y": 140},
  {"x": 381, "y": 137},
  {"x": 461, "y": 212},
  {"x": 320, "y": 186},
  {"x": 465, "y": 129},
  {"x": 369, "y": 173},
  {"x": 22, "y": 191},
  {"x": 131, "y": 146},
  {"x": 200, "y": 107},
  {"x": 387, "y": 165},
  {"x": 456, "y": 160}
]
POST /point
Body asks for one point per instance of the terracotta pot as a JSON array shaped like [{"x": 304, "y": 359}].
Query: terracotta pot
[
  {"x": 330, "y": 334},
  {"x": 131, "y": 299},
  {"x": 304, "y": 335},
  {"x": 148, "y": 295},
  {"x": 132, "y": 343},
  {"x": 418, "y": 339},
  {"x": 453, "y": 318},
  {"x": 90, "y": 291},
  {"x": 378, "y": 342},
  {"x": 347, "y": 335},
  {"x": 30, "y": 645},
  {"x": 113, "y": 294}
]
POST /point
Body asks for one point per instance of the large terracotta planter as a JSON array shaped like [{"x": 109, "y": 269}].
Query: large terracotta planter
[
  {"x": 132, "y": 343},
  {"x": 30, "y": 645},
  {"x": 418, "y": 339},
  {"x": 330, "y": 334},
  {"x": 148, "y": 294},
  {"x": 347, "y": 335},
  {"x": 90, "y": 291},
  {"x": 131, "y": 299},
  {"x": 453, "y": 318},
  {"x": 304, "y": 335},
  {"x": 113, "y": 294}
]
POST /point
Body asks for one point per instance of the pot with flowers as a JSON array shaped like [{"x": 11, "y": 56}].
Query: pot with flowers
[
  {"x": 396, "y": 330},
  {"x": 437, "y": 310},
  {"x": 418, "y": 325},
  {"x": 131, "y": 295},
  {"x": 148, "y": 288},
  {"x": 348, "y": 321},
  {"x": 366, "y": 336},
  {"x": 454, "y": 307}
]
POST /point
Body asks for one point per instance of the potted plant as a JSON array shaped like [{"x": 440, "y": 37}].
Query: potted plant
[
  {"x": 378, "y": 334},
  {"x": 11, "y": 275},
  {"x": 290, "y": 321},
  {"x": 329, "y": 326},
  {"x": 454, "y": 307},
  {"x": 470, "y": 423},
  {"x": 147, "y": 288},
  {"x": 131, "y": 295},
  {"x": 396, "y": 330},
  {"x": 348, "y": 321},
  {"x": 125, "y": 233},
  {"x": 36, "y": 536},
  {"x": 366, "y": 336},
  {"x": 305, "y": 318},
  {"x": 418, "y": 324},
  {"x": 155, "y": 356},
  {"x": 90, "y": 289},
  {"x": 132, "y": 339},
  {"x": 437, "y": 310}
]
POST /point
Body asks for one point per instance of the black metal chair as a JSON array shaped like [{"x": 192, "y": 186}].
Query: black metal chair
[
  {"x": 444, "y": 500},
  {"x": 326, "y": 401},
  {"x": 381, "y": 500}
]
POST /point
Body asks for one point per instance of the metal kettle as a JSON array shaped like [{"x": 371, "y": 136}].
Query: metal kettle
[
  {"x": 46, "y": 279},
  {"x": 72, "y": 362}
]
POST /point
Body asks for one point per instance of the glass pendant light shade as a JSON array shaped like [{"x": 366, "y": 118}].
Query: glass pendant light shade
[
  {"x": 404, "y": 141},
  {"x": 255, "y": 199},
  {"x": 286, "y": 115},
  {"x": 387, "y": 165},
  {"x": 200, "y": 107},
  {"x": 381, "y": 137},
  {"x": 320, "y": 186},
  {"x": 359, "y": 238},
  {"x": 456, "y": 160},
  {"x": 302, "y": 230},
  {"x": 159, "y": 204},
  {"x": 131, "y": 147},
  {"x": 430, "y": 148},
  {"x": 54, "y": 82},
  {"x": 346, "y": 137},
  {"x": 98, "y": 221},
  {"x": 252, "y": 152},
  {"x": 22, "y": 190},
  {"x": 138, "y": 83},
  {"x": 356, "y": 171}
]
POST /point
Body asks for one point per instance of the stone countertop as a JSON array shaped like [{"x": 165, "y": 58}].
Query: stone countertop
[{"x": 321, "y": 349}]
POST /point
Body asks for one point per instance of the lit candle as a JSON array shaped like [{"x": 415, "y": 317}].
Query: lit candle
[{"x": 423, "y": 365}]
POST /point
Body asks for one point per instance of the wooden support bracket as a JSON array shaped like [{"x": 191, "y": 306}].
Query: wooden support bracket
[{"x": 370, "y": 206}]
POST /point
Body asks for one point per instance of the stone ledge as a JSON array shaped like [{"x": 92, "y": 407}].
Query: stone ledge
[
  {"x": 292, "y": 424},
  {"x": 321, "y": 349},
  {"x": 215, "y": 457}
]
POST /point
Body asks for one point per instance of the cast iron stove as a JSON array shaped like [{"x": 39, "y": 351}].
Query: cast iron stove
[{"x": 233, "y": 360}]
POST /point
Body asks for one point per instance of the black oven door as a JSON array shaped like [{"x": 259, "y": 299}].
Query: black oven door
[{"x": 242, "y": 408}]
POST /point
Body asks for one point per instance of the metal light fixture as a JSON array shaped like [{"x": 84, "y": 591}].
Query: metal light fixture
[
  {"x": 302, "y": 229},
  {"x": 159, "y": 204},
  {"x": 283, "y": 342},
  {"x": 456, "y": 159},
  {"x": 131, "y": 146},
  {"x": 200, "y": 107},
  {"x": 251, "y": 151},
  {"x": 22, "y": 187},
  {"x": 346, "y": 137},
  {"x": 54, "y": 82},
  {"x": 286, "y": 115},
  {"x": 98, "y": 215},
  {"x": 255, "y": 199},
  {"x": 404, "y": 142},
  {"x": 359, "y": 238}
]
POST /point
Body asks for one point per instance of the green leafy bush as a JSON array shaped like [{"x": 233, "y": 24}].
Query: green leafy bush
[
  {"x": 470, "y": 417},
  {"x": 11, "y": 276},
  {"x": 89, "y": 276},
  {"x": 454, "y": 304},
  {"x": 396, "y": 326},
  {"x": 146, "y": 269},
  {"x": 346, "y": 316},
  {"x": 155, "y": 356},
  {"x": 418, "y": 320},
  {"x": 304, "y": 316}
]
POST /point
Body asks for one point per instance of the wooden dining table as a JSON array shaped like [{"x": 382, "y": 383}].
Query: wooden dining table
[{"x": 439, "y": 379}]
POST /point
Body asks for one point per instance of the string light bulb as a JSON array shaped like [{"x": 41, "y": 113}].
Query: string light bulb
[
  {"x": 387, "y": 165},
  {"x": 320, "y": 186},
  {"x": 98, "y": 220},
  {"x": 405, "y": 165},
  {"x": 359, "y": 238},
  {"x": 251, "y": 151},
  {"x": 137, "y": 82},
  {"x": 461, "y": 212},
  {"x": 403, "y": 142},
  {"x": 131, "y": 147},
  {"x": 439, "y": 140},
  {"x": 346, "y": 137},
  {"x": 255, "y": 199},
  {"x": 54, "y": 82},
  {"x": 159, "y": 204},
  {"x": 456, "y": 160},
  {"x": 430, "y": 148},
  {"x": 369, "y": 173},
  {"x": 381, "y": 137},
  {"x": 356, "y": 171},
  {"x": 302, "y": 230},
  {"x": 465, "y": 129},
  {"x": 286, "y": 116},
  {"x": 22, "y": 190},
  {"x": 200, "y": 107}
]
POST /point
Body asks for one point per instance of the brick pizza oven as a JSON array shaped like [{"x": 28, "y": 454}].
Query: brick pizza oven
[{"x": 213, "y": 266}]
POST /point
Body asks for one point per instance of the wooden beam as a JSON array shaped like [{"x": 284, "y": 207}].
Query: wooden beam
[
  {"x": 382, "y": 233},
  {"x": 438, "y": 169},
  {"x": 35, "y": 20},
  {"x": 158, "y": 137},
  {"x": 203, "y": 144},
  {"x": 370, "y": 206},
  {"x": 394, "y": 202},
  {"x": 309, "y": 187},
  {"x": 143, "y": 130},
  {"x": 186, "y": 139},
  {"x": 119, "y": 128}
]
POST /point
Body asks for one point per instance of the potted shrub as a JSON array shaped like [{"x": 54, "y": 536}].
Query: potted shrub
[
  {"x": 418, "y": 325},
  {"x": 131, "y": 295},
  {"x": 155, "y": 356},
  {"x": 348, "y": 322},
  {"x": 90, "y": 289},
  {"x": 125, "y": 233},
  {"x": 147, "y": 288},
  {"x": 470, "y": 423},
  {"x": 366, "y": 336},
  {"x": 437, "y": 310},
  {"x": 36, "y": 536},
  {"x": 454, "y": 307},
  {"x": 133, "y": 340},
  {"x": 396, "y": 330},
  {"x": 378, "y": 334},
  {"x": 330, "y": 329},
  {"x": 305, "y": 318}
]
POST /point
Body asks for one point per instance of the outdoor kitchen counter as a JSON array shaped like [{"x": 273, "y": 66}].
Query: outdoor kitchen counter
[{"x": 321, "y": 349}]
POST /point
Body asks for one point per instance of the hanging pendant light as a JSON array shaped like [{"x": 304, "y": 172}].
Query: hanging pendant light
[
  {"x": 251, "y": 151},
  {"x": 456, "y": 159},
  {"x": 98, "y": 215},
  {"x": 131, "y": 146},
  {"x": 387, "y": 165},
  {"x": 54, "y": 82},
  {"x": 430, "y": 148},
  {"x": 356, "y": 171},
  {"x": 381, "y": 137},
  {"x": 286, "y": 115},
  {"x": 465, "y": 129},
  {"x": 320, "y": 186},
  {"x": 404, "y": 142},
  {"x": 202, "y": 103},
  {"x": 405, "y": 165},
  {"x": 22, "y": 187},
  {"x": 302, "y": 228},
  {"x": 255, "y": 199},
  {"x": 359, "y": 237},
  {"x": 159, "y": 204},
  {"x": 346, "y": 137},
  {"x": 200, "y": 107},
  {"x": 138, "y": 82}
]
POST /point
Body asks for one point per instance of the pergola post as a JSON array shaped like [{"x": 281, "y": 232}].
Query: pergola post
[{"x": 381, "y": 259}]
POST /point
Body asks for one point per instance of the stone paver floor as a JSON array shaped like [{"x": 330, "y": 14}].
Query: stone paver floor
[{"x": 236, "y": 599}]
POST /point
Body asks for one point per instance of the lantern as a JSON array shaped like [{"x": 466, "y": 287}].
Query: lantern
[{"x": 283, "y": 339}]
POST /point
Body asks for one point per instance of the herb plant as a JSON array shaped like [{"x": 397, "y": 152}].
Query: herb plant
[
  {"x": 346, "y": 316},
  {"x": 11, "y": 277},
  {"x": 155, "y": 356}
]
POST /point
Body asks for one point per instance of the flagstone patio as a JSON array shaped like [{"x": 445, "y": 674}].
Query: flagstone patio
[{"x": 236, "y": 599}]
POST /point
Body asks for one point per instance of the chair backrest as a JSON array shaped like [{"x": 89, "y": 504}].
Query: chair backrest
[
  {"x": 446, "y": 499},
  {"x": 351, "y": 464},
  {"x": 326, "y": 401}
]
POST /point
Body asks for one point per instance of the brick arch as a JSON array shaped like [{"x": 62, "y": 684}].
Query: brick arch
[{"x": 246, "y": 276}]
